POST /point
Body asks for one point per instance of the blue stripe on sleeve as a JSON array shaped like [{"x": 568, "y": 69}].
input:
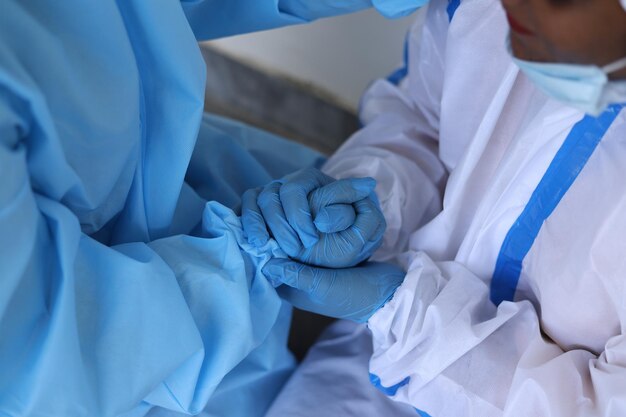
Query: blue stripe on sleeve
[
  {"x": 393, "y": 390},
  {"x": 560, "y": 175},
  {"x": 451, "y": 9},
  {"x": 400, "y": 74},
  {"x": 389, "y": 391}
]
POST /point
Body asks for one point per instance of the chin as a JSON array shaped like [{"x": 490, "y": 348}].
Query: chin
[
  {"x": 518, "y": 47},
  {"x": 528, "y": 49}
]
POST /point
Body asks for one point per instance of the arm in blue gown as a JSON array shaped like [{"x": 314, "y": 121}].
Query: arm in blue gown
[
  {"x": 212, "y": 19},
  {"x": 92, "y": 330}
]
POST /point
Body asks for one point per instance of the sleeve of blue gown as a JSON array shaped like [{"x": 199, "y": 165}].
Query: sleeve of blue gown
[
  {"x": 91, "y": 330},
  {"x": 212, "y": 19}
]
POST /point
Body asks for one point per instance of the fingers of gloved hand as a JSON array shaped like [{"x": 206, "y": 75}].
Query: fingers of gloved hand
[
  {"x": 316, "y": 282},
  {"x": 340, "y": 310},
  {"x": 352, "y": 293},
  {"x": 294, "y": 197},
  {"x": 367, "y": 225},
  {"x": 272, "y": 210},
  {"x": 345, "y": 191},
  {"x": 349, "y": 247},
  {"x": 335, "y": 218},
  {"x": 376, "y": 240},
  {"x": 302, "y": 300},
  {"x": 252, "y": 219}
]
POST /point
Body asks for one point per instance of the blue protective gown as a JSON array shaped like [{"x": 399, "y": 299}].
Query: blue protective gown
[{"x": 121, "y": 290}]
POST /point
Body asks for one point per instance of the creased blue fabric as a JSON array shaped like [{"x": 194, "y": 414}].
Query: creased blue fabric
[{"x": 121, "y": 290}]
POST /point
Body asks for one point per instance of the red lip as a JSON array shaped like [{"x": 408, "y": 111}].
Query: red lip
[{"x": 517, "y": 27}]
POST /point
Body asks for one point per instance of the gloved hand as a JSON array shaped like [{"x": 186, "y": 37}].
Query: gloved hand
[
  {"x": 316, "y": 219},
  {"x": 351, "y": 293}
]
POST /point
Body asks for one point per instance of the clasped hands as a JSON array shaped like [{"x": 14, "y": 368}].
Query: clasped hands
[{"x": 328, "y": 228}]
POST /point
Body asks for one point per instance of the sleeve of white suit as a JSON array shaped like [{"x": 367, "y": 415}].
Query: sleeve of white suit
[
  {"x": 442, "y": 346},
  {"x": 398, "y": 145},
  {"x": 214, "y": 19}
]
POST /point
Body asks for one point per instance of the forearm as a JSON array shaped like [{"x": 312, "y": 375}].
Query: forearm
[
  {"x": 210, "y": 19},
  {"x": 89, "y": 329}
]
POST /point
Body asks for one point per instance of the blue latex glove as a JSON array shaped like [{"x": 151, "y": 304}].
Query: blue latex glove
[
  {"x": 315, "y": 9},
  {"x": 350, "y": 293},
  {"x": 316, "y": 219}
]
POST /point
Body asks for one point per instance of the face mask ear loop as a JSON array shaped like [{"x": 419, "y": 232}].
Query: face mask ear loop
[{"x": 614, "y": 66}]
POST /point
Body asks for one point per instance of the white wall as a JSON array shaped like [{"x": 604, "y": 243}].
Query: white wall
[{"x": 341, "y": 55}]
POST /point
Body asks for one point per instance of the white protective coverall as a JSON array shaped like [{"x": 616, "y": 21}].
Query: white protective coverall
[{"x": 508, "y": 210}]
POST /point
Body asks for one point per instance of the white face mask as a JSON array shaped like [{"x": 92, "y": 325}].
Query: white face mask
[{"x": 586, "y": 87}]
